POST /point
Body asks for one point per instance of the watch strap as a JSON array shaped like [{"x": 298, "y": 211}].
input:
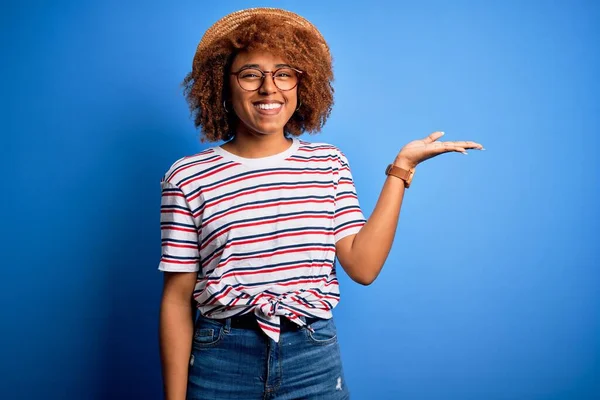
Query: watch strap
[{"x": 405, "y": 175}]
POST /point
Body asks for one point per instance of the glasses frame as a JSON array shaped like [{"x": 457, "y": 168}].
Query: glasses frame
[{"x": 264, "y": 74}]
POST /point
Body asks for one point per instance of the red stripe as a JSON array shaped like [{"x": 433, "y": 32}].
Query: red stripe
[
  {"x": 267, "y": 327},
  {"x": 177, "y": 262},
  {"x": 174, "y": 194},
  {"x": 290, "y": 283},
  {"x": 269, "y": 174},
  {"x": 180, "y": 169},
  {"x": 183, "y": 246},
  {"x": 346, "y": 196},
  {"x": 234, "y": 302},
  {"x": 272, "y": 254},
  {"x": 300, "y": 281},
  {"x": 279, "y": 236},
  {"x": 264, "y": 222},
  {"x": 350, "y": 226},
  {"x": 264, "y": 206},
  {"x": 177, "y": 228},
  {"x": 219, "y": 297},
  {"x": 307, "y": 149},
  {"x": 259, "y": 297},
  {"x": 262, "y": 271},
  {"x": 218, "y": 254},
  {"x": 322, "y": 296},
  {"x": 337, "y": 215},
  {"x": 300, "y": 302},
  {"x": 314, "y": 159},
  {"x": 237, "y": 195},
  {"x": 208, "y": 174}
]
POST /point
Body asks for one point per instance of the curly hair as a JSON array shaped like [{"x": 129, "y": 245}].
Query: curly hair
[{"x": 207, "y": 85}]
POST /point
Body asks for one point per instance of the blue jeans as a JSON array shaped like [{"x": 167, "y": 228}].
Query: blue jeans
[{"x": 245, "y": 364}]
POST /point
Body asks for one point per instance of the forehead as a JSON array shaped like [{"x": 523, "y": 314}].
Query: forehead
[{"x": 262, "y": 58}]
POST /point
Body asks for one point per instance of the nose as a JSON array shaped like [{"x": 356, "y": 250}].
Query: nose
[{"x": 268, "y": 85}]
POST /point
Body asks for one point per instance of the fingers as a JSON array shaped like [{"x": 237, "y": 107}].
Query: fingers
[
  {"x": 457, "y": 146},
  {"x": 469, "y": 145},
  {"x": 433, "y": 137},
  {"x": 443, "y": 147}
]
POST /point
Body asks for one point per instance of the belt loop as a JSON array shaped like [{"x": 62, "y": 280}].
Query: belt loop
[
  {"x": 308, "y": 323},
  {"x": 227, "y": 324},
  {"x": 303, "y": 319}
]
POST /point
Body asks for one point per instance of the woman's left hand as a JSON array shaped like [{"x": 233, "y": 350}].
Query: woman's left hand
[{"x": 418, "y": 151}]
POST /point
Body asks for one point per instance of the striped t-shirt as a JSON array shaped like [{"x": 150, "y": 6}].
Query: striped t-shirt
[{"x": 261, "y": 232}]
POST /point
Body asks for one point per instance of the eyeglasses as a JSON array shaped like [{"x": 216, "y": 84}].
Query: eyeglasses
[{"x": 251, "y": 79}]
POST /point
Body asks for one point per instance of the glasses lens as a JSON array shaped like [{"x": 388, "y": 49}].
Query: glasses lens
[
  {"x": 286, "y": 78},
  {"x": 250, "y": 79}
]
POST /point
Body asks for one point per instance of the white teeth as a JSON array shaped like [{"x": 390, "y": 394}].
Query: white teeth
[{"x": 270, "y": 106}]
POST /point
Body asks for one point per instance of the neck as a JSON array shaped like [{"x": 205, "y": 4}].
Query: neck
[{"x": 253, "y": 145}]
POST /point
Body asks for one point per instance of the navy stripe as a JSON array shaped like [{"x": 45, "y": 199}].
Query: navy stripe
[
  {"x": 295, "y": 278},
  {"x": 169, "y": 240},
  {"x": 232, "y": 242},
  {"x": 354, "y": 221},
  {"x": 204, "y": 171},
  {"x": 224, "y": 213},
  {"x": 262, "y": 283},
  {"x": 299, "y": 311},
  {"x": 264, "y": 321},
  {"x": 185, "y": 162},
  {"x": 269, "y": 201},
  {"x": 164, "y": 223},
  {"x": 269, "y": 266},
  {"x": 274, "y": 249},
  {"x": 166, "y": 256},
  {"x": 238, "y": 192},
  {"x": 266, "y": 218}
]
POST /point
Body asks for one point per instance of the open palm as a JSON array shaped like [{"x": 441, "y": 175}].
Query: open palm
[{"x": 420, "y": 150}]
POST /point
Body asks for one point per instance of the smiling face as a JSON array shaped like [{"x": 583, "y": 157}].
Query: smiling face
[{"x": 264, "y": 111}]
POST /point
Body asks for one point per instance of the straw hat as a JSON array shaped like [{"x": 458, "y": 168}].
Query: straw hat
[{"x": 230, "y": 22}]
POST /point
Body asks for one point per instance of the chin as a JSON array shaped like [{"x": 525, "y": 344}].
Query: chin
[{"x": 268, "y": 129}]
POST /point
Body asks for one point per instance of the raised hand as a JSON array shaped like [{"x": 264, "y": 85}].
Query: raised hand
[{"x": 420, "y": 150}]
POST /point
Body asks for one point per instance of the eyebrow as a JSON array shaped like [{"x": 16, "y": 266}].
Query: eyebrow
[{"x": 257, "y": 66}]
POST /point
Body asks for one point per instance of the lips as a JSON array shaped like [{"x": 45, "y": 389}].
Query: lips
[{"x": 268, "y": 107}]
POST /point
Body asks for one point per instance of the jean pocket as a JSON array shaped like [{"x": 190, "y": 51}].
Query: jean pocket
[
  {"x": 322, "y": 332},
  {"x": 207, "y": 336}
]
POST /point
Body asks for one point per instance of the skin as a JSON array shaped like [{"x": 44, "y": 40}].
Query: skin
[
  {"x": 259, "y": 135},
  {"x": 256, "y": 136},
  {"x": 361, "y": 255}
]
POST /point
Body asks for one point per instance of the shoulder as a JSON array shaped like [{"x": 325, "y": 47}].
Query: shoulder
[
  {"x": 322, "y": 148},
  {"x": 186, "y": 166}
]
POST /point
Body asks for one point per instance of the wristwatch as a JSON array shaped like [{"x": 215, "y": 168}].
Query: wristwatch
[{"x": 405, "y": 175}]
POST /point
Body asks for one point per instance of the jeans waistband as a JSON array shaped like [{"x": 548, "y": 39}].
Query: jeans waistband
[{"x": 248, "y": 321}]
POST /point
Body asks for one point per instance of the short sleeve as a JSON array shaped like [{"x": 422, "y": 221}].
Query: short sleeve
[
  {"x": 179, "y": 234},
  {"x": 348, "y": 217}
]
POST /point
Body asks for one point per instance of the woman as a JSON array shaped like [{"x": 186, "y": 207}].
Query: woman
[{"x": 251, "y": 229}]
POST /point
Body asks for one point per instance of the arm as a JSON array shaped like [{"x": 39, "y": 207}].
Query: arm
[
  {"x": 362, "y": 255},
  {"x": 180, "y": 263},
  {"x": 175, "y": 332}
]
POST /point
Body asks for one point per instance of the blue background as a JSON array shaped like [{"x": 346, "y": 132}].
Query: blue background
[{"x": 491, "y": 289}]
